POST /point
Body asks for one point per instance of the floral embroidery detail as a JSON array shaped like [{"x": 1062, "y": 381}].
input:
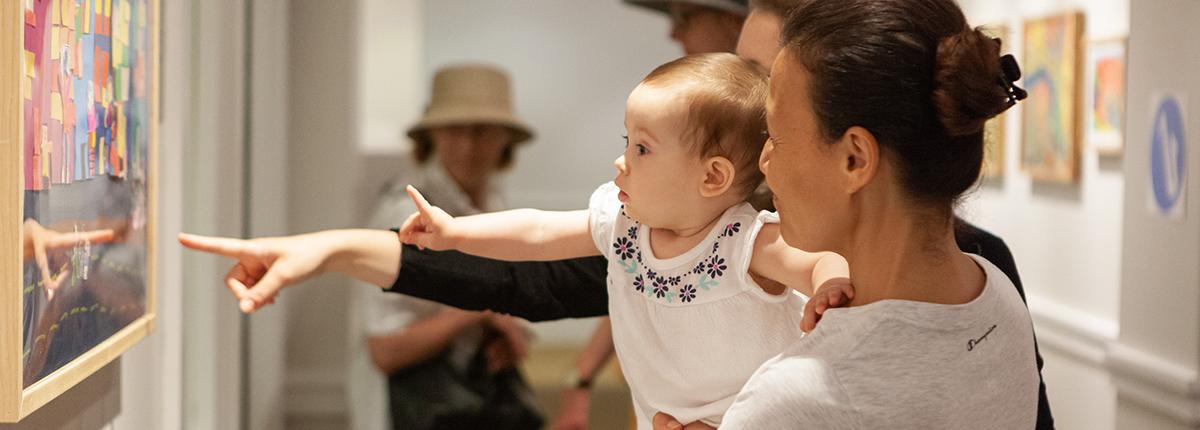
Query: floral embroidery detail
[
  {"x": 699, "y": 267},
  {"x": 639, "y": 284},
  {"x": 639, "y": 256},
  {"x": 732, "y": 228},
  {"x": 715, "y": 246},
  {"x": 651, "y": 274},
  {"x": 660, "y": 287},
  {"x": 674, "y": 280},
  {"x": 716, "y": 266},
  {"x": 625, "y": 214},
  {"x": 633, "y": 233},
  {"x": 623, "y": 248},
  {"x": 687, "y": 293}
]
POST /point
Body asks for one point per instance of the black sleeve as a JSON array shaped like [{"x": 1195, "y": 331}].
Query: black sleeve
[
  {"x": 536, "y": 291},
  {"x": 977, "y": 241}
]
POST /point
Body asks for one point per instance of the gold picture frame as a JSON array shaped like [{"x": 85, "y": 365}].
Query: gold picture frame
[{"x": 995, "y": 130}]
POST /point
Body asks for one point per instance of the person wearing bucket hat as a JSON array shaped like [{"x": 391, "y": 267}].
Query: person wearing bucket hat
[
  {"x": 701, "y": 26},
  {"x": 469, "y": 100},
  {"x": 467, "y": 134}
]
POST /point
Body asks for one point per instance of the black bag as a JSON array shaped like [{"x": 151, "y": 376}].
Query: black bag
[{"x": 435, "y": 396}]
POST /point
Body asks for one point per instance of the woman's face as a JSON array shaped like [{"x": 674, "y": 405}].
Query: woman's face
[
  {"x": 700, "y": 29},
  {"x": 471, "y": 153},
  {"x": 802, "y": 168},
  {"x": 759, "y": 41}
]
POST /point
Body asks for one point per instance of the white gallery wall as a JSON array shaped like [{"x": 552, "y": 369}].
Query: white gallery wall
[
  {"x": 1156, "y": 360},
  {"x": 1113, "y": 290},
  {"x": 1066, "y": 239}
]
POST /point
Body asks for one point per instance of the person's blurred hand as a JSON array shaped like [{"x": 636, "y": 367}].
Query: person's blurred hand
[
  {"x": 38, "y": 240},
  {"x": 574, "y": 410},
  {"x": 264, "y": 266},
  {"x": 513, "y": 344}
]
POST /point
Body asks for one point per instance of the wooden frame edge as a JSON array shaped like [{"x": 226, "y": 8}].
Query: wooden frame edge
[
  {"x": 65, "y": 378},
  {"x": 12, "y": 48}
]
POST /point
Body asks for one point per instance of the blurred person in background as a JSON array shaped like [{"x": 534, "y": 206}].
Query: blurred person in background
[{"x": 445, "y": 367}]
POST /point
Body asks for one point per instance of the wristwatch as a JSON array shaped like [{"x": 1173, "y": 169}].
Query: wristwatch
[{"x": 574, "y": 381}]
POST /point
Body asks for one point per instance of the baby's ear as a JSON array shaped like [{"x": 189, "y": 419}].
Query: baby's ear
[{"x": 718, "y": 176}]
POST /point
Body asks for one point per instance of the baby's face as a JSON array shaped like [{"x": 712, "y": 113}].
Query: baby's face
[{"x": 659, "y": 174}]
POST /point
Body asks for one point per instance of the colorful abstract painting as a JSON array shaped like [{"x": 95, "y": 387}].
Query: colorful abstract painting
[
  {"x": 1106, "y": 101},
  {"x": 1050, "y": 135},
  {"x": 85, "y": 94}
]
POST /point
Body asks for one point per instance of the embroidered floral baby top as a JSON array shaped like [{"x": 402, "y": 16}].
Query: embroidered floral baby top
[{"x": 689, "y": 330}]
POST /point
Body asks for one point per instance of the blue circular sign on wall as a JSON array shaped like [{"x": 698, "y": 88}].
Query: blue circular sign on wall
[{"x": 1168, "y": 160}]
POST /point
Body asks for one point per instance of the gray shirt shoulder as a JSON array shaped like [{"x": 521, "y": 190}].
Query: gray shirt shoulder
[{"x": 903, "y": 364}]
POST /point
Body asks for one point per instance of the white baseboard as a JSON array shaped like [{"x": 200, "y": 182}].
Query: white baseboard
[
  {"x": 1078, "y": 334},
  {"x": 1159, "y": 385}
]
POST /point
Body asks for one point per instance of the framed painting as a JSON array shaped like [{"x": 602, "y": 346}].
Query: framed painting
[
  {"x": 1106, "y": 96},
  {"x": 994, "y": 132},
  {"x": 77, "y": 215},
  {"x": 1051, "y": 126}
]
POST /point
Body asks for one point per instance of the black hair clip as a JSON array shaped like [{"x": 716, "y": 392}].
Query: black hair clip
[{"x": 1010, "y": 73}]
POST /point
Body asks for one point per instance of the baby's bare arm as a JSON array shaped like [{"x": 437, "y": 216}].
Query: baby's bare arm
[
  {"x": 801, "y": 270},
  {"x": 516, "y": 235}
]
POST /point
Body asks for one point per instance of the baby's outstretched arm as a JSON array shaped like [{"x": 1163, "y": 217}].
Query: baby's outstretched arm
[
  {"x": 515, "y": 235},
  {"x": 822, "y": 276}
]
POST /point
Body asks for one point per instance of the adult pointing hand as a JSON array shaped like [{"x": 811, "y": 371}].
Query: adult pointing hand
[{"x": 267, "y": 265}]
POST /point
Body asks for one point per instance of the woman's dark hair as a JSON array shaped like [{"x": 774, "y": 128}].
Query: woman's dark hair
[{"x": 913, "y": 73}]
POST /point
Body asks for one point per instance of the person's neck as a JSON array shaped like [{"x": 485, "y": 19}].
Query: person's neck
[
  {"x": 900, "y": 253},
  {"x": 476, "y": 189},
  {"x": 694, "y": 226}
]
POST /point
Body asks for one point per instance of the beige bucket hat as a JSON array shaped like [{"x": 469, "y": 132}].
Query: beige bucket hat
[
  {"x": 739, "y": 7},
  {"x": 470, "y": 94}
]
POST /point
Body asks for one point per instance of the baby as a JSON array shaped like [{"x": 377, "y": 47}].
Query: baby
[{"x": 697, "y": 279}]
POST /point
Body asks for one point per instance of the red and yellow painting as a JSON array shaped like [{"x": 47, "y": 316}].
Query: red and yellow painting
[{"x": 1050, "y": 137}]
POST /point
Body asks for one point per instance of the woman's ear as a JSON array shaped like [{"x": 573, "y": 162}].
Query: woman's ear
[
  {"x": 860, "y": 151},
  {"x": 718, "y": 176}
]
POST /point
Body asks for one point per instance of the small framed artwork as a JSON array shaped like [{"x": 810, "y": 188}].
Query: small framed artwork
[
  {"x": 77, "y": 212},
  {"x": 1051, "y": 126},
  {"x": 994, "y": 131},
  {"x": 1106, "y": 96}
]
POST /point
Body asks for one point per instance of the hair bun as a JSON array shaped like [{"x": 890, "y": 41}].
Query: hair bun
[{"x": 967, "y": 87}]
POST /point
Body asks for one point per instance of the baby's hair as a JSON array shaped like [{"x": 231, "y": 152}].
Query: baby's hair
[{"x": 726, "y": 98}]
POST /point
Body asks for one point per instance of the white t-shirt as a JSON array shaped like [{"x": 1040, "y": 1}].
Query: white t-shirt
[
  {"x": 376, "y": 313},
  {"x": 903, "y": 365},
  {"x": 689, "y": 330}
]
